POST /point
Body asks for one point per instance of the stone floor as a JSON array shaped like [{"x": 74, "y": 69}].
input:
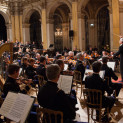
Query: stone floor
[{"x": 116, "y": 112}]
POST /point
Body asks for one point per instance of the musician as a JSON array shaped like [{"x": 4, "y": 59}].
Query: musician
[
  {"x": 89, "y": 52},
  {"x": 59, "y": 56},
  {"x": 110, "y": 74},
  {"x": 94, "y": 81},
  {"x": 24, "y": 64},
  {"x": 120, "y": 52},
  {"x": 11, "y": 84},
  {"x": 79, "y": 65},
  {"x": 30, "y": 70},
  {"x": 51, "y": 97},
  {"x": 41, "y": 70}
]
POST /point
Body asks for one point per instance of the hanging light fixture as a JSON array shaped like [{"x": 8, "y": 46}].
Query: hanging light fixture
[{"x": 58, "y": 32}]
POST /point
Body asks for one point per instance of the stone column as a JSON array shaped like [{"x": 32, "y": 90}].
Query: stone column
[
  {"x": 115, "y": 15},
  {"x": 16, "y": 18},
  {"x": 91, "y": 27},
  {"x": 50, "y": 32},
  {"x": 121, "y": 18},
  {"x": 44, "y": 29},
  {"x": 75, "y": 25},
  {"x": 65, "y": 32},
  {"x": 26, "y": 32},
  {"x": 81, "y": 22},
  {"x": 9, "y": 31},
  {"x": 111, "y": 27}
]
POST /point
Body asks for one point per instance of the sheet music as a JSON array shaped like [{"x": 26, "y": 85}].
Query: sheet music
[
  {"x": 111, "y": 65},
  {"x": 16, "y": 107},
  {"x": 65, "y": 83},
  {"x": 65, "y": 67},
  {"x": 88, "y": 72}
]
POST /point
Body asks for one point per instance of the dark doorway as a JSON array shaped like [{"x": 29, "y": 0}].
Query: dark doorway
[
  {"x": 3, "y": 32},
  {"x": 35, "y": 29}
]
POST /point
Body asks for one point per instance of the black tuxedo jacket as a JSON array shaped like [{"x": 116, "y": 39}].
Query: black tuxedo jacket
[
  {"x": 51, "y": 97},
  {"x": 109, "y": 73},
  {"x": 80, "y": 67}
]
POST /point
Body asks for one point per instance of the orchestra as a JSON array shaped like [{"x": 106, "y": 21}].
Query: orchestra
[{"x": 33, "y": 63}]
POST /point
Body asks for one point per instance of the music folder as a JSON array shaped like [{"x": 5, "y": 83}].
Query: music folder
[
  {"x": 65, "y": 83},
  {"x": 16, "y": 107}
]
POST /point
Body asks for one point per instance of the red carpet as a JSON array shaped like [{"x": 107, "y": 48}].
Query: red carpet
[{"x": 119, "y": 79}]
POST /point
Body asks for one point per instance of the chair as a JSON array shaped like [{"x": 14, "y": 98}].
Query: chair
[
  {"x": 77, "y": 81},
  {"x": 93, "y": 100},
  {"x": 2, "y": 82},
  {"x": 49, "y": 116},
  {"x": 41, "y": 80},
  {"x": 107, "y": 80}
]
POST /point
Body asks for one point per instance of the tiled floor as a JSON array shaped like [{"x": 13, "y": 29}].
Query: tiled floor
[{"x": 116, "y": 112}]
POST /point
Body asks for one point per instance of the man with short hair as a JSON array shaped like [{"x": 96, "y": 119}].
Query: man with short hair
[
  {"x": 94, "y": 81},
  {"x": 51, "y": 97},
  {"x": 110, "y": 74},
  {"x": 79, "y": 65},
  {"x": 11, "y": 84},
  {"x": 120, "y": 52}
]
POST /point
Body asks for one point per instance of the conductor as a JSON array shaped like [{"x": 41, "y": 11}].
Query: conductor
[{"x": 120, "y": 52}]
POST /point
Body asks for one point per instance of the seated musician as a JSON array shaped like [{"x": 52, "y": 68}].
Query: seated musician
[
  {"x": 11, "y": 84},
  {"x": 30, "y": 70},
  {"x": 59, "y": 56},
  {"x": 110, "y": 73},
  {"x": 89, "y": 52},
  {"x": 24, "y": 64},
  {"x": 51, "y": 97},
  {"x": 41, "y": 70},
  {"x": 79, "y": 65},
  {"x": 94, "y": 81},
  {"x": 95, "y": 56},
  {"x": 71, "y": 60},
  {"x": 37, "y": 58}
]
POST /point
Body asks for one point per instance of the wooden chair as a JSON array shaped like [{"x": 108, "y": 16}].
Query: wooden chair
[
  {"x": 93, "y": 100},
  {"x": 41, "y": 80},
  {"x": 2, "y": 82},
  {"x": 107, "y": 80},
  {"x": 49, "y": 116},
  {"x": 77, "y": 81}
]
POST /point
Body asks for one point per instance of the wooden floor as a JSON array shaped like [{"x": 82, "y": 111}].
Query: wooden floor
[{"x": 116, "y": 112}]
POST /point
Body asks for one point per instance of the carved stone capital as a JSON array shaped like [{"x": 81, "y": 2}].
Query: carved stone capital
[
  {"x": 51, "y": 21},
  {"x": 9, "y": 26},
  {"x": 70, "y": 16},
  {"x": 121, "y": 7},
  {"x": 26, "y": 25},
  {"x": 110, "y": 9}
]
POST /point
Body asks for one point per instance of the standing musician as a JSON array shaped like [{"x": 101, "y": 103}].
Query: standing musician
[{"x": 120, "y": 52}]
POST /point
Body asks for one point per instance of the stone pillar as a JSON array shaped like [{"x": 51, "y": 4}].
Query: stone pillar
[
  {"x": 75, "y": 25},
  {"x": 121, "y": 19},
  {"x": 111, "y": 27},
  {"x": 26, "y": 33},
  {"x": 91, "y": 27},
  {"x": 9, "y": 31},
  {"x": 16, "y": 18},
  {"x": 81, "y": 22},
  {"x": 50, "y": 32},
  {"x": 65, "y": 32},
  {"x": 44, "y": 29},
  {"x": 115, "y": 15}
]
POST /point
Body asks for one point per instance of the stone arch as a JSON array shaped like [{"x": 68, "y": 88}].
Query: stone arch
[
  {"x": 51, "y": 9},
  {"x": 5, "y": 16},
  {"x": 28, "y": 13},
  {"x": 100, "y": 9},
  {"x": 82, "y": 4}
]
